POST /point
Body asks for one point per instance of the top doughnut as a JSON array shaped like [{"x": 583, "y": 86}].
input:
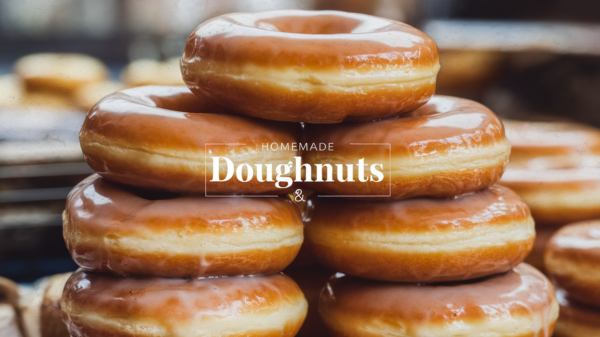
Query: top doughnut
[{"x": 311, "y": 66}]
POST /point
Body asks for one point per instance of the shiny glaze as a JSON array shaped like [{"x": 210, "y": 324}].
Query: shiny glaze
[
  {"x": 580, "y": 241},
  {"x": 174, "y": 303},
  {"x": 100, "y": 207},
  {"x": 325, "y": 40},
  {"x": 494, "y": 206},
  {"x": 541, "y": 139},
  {"x": 448, "y": 147},
  {"x": 444, "y": 126},
  {"x": 523, "y": 291},
  {"x": 173, "y": 118},
  {"x": 106, "y": 222},
  {"x": 178, "y": 128},
  {"x": 311, "y": 66}
]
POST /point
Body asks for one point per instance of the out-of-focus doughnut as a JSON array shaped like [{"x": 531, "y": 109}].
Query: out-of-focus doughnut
[
  {"x": 311, "y": 66},
  {"x": 556, "y": 192},
  {"x": 112, "y": 228},
  {"x": 520, "y": 302},
  {"x": 59, "y": 72},
  {"x": 567, "y": 143},
  {"x": 163, "y": 138},
  {"x": 97, "y": 304},
  {"x": 573, "y": 261},
  {"x": 151, "y": 72},
  {"x": 448, "y": 147},
  {"x": 576, "y": 320},
  {"x": 422, "y": 240},
  {"x": 40, "y": 307},
  {"x": 9, "y": 311},
  {"x": 90, "y": 94}
]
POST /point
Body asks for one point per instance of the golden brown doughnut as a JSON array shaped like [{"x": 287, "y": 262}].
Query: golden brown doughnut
[
  {"x": 576, "y": 320},
  {"x": 448, "y": 147},
  {"x": 163, "y": 138},
  {"x": 89, "y": 94},
  {"x": 518, "y": 303},
  {"x": 556, "y": 195},
  {"x": 422, "y": 240},
  {"x": 112, "y": 228},
  {"x": 151, "y": 72},
  {"x": 63, "y": 73},
  {"x": 573, "y": 261},
  {"x": 311, "y": 66},
  {"x": 566, "y": 142},
  {"x": 96, "y": 304}
]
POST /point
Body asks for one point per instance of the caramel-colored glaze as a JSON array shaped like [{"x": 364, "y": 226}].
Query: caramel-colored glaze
[
  {"x": 450, "y": 309},
  {"x": 347, "y": 236},
  {"x": 556, "y": 196},
  {"x": 136, "y": 306},
  {"x": 573, "y": 250},
  {"x": 550, "y": 139},
  {"x": 576, "y": 320},
  {"x": 311, "y": 66},
  {"x": 105, "y": 222},
  {"x": 157, "y": 138},
  {"x": 450, "y": 146}
]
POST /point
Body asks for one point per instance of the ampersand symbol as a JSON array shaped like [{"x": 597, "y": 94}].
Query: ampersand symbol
[{"x": 298, "y": 197}]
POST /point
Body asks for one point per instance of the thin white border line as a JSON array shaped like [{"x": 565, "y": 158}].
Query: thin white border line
[
  {"x": 368, "y": 196},
  {"x": 228, "y": 195}
]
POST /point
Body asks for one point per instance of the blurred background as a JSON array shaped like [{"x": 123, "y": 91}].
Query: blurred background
[{"x": 525, "y": 59}]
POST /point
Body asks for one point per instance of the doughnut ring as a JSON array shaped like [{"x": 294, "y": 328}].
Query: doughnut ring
[
  {"x": 311, "y": 66},
  {"x": 163, "y": 138},
  {"x": 565, "y": 142},
  {"x": 113, "y": 228},
  {"x": 422, "y": 239},
  {"x": 576, "y": 320},
  {"x": 520, "y": 302},
  {"x": 573, "y": 261},
  {"x": 64, "y": 73},
  {"x": 97, "y": 304},
  {"x": 449, "y": 146},
  {"x": 556, "y": 194}
]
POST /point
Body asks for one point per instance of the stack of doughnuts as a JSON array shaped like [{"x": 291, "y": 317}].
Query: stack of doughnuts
[
  {"x": 555, "y": 168},
  {"x": 572, "y": 258},
  {"x": 182, "y": 232}
]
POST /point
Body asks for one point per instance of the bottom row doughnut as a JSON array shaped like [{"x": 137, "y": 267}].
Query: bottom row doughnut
[
  {"x": 520, "y": 302},
  {"x": 96, "y": 304}
]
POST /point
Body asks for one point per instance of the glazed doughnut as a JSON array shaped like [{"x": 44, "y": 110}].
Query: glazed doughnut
[
  {"x": 311, "y": 66},
  {"x": 113, "y": 228},
  {"x": 576, "y": 320},
  {"x": 96, "y": 304},
  {"x": 520, "y": 302},
  {"x": 421, "y": 239},
  {"x": 40, "y": 306},
  {"x": 159, "y": 137},
  {"x": 573, "y": 261},
  {"x": 89, "y": 94},
  {"x": 151, "y": 72},
  {"x": 448, "y": 147},
  {"x": 556, "y": 194},
  {"x": 565, "y": 142},
  {"x": 63, "y": 73}
]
